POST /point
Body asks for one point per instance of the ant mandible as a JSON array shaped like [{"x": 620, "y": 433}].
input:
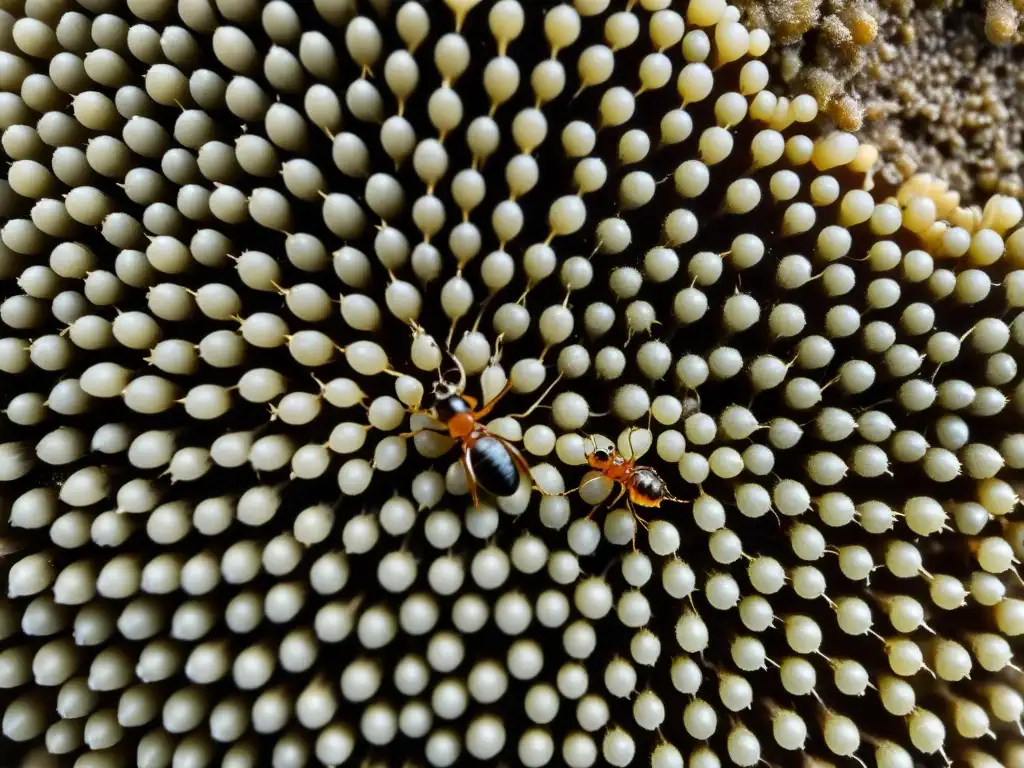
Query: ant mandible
[{"x": 491, "y": 461}]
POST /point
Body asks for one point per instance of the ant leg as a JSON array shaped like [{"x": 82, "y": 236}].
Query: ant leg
[
  {"x": 467, "y": 464},
  {"x": 473, "y": 493},
  {"x": 632, "y": 508},
  {"x": 629, "y": 504},
  {"x": 540, "y": 400},
  {"x": 488, "y": 407},
  {"x": 640, "y": 520},
  {"x": 579, "y": 487},
  {"x": 613, "y": 502},
  {"x": 517, "y": 457},
  {"x": 622, "y": 492},
  {"x": 419, "y": 431}
]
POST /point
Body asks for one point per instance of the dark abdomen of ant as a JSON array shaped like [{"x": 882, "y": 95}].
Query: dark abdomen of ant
[
  {"x": 493, "y": 467},
  {"x": 647, "y": 489}
]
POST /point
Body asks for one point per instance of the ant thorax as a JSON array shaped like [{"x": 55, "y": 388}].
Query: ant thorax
[{"x": 620, "y": 469}]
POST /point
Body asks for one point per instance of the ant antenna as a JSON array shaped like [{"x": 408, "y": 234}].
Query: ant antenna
[
  {"x": 593, "y": 442},
  {"x": 443, "y": 387},
  {"x": 536, "y": 405},
  {"x": 461, "y": 386}
]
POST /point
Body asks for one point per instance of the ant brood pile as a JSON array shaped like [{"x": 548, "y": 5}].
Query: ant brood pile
[{"x": 240, "y": 239}]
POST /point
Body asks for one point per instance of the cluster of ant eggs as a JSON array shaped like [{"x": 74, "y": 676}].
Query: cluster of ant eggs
[{"x": 710, "y": 451}]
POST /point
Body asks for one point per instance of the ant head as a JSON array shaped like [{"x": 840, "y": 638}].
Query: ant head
[
  {"x": 600, "y": 453},
  {"x": 600, "y": 458},
  {"x": 443, "y": 389}
]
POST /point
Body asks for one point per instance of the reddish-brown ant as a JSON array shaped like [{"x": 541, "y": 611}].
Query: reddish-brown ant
[
  {"x": 640, "y": 484},
  {"x": 491, "y": 461}
]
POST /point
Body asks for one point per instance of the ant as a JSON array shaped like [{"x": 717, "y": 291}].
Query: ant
[
  {"x": 640, "y": 484},
  {"x": 491, "y": 461}
]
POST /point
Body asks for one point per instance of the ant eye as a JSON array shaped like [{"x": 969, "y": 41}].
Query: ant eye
[{"x": 601, "y": 455}]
